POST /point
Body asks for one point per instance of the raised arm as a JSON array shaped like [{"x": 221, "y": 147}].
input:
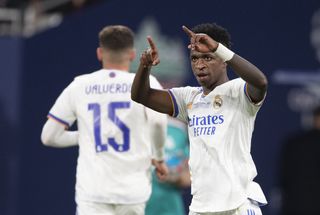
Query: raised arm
[
  {"x": 158, "y": 100},
  {"x": 256, "y": 81}
]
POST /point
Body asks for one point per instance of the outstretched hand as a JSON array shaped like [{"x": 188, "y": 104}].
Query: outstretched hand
[
  {"x": 200, "y": 42},
  {"x": 150, "y": 57},
  {"x": 162, "y": 170}
]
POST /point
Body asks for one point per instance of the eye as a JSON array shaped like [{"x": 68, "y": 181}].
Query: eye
[
  {"x": 194, "y": 59},
  {"x": 208, "y": 58}
]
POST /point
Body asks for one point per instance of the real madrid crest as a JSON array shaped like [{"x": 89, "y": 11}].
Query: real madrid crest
[{"x": 217, "y": 102}]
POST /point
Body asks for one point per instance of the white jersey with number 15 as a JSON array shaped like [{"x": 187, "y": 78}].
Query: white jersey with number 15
[{"x": 114, "y": 136}]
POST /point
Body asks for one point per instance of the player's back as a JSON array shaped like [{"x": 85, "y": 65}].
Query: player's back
[{"x": 115, "y": 147}]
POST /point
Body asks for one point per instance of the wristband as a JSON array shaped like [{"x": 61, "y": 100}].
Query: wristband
[{"x": 224, "y": 53}]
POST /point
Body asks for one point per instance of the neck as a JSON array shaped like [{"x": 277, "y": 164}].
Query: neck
[
  {"x": 207, "y": 90},
  {"x": 124, "y": 66}
]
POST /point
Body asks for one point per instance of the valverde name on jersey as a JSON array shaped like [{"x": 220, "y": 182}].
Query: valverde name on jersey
[{"x": 112, "y": 88}]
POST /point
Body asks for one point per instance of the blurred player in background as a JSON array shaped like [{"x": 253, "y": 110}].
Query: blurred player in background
[
  {"x": 220, "y": 116},
  {"x": 300, "y": 170},
  {"x": 166, "y": 197},
  {"x": 116, "y": 136}
]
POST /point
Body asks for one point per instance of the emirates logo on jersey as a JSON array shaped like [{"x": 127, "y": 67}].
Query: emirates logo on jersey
[{"x": 217, "y": 102}]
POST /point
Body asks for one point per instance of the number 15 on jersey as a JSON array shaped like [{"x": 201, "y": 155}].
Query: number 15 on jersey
[{"x": 111, "y": 107}]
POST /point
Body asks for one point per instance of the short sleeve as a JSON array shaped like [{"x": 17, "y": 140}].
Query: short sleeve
[
  {"x": 63, "y": 109},
  {"x": 179, "y": 97},
  {"x": 245, "y": 100}
]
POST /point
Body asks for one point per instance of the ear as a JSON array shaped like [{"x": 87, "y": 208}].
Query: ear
[
  {"x": 132, "y": 55},
  {"x": 99, "y": 53}
]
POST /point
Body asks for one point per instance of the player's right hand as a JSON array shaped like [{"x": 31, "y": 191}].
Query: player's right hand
[
  {"x": 162, "y": 169},
  {"x": 150, "y": 57}
]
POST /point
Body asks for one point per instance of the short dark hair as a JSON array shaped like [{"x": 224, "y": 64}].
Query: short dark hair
[
  {"x": 215, "y": 31},
  {"x": 116, "y": 37}
]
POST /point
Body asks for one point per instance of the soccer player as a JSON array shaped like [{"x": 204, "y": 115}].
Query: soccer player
[
  {"x": 220, "y": 116},
  {"x": 116, "y": 136},
  {"x": 299, "y": 178}
]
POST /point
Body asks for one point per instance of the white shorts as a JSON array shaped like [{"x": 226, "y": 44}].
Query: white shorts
[
  {"x": 248, "y": 208},
  {"x": 94, "y": 208}
]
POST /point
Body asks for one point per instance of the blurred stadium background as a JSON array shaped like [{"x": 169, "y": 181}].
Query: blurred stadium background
[{"x": 45, "y": 43}]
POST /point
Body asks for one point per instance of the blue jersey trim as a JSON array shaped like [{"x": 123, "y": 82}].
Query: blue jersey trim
[
  {"x": 249, "y": 98},
  {"x": 174, "y": 103},
  {"x": 58, "y": 119}
]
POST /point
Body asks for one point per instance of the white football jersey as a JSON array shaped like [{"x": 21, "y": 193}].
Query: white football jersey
[
  {"x": 115, "y": 147},
  {"x": 220, "y": 127}
]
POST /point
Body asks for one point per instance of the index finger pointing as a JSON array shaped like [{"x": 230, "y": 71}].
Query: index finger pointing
[
  {"x": 151, "y": 43},
  {"x": 188, "y": 31}
]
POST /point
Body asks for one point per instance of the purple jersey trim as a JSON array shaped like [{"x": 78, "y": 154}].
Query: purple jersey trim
[
  {"x": 58, "y": 119},
  {"x": 174, "y": 103}
]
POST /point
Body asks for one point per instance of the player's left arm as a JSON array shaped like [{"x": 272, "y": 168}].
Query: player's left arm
[
  {"x": 54, "y": 134},
  {"x": 257, "y": 82},
  {"x": 158, "y": 134},
  {"x": 158, "y": 138}
]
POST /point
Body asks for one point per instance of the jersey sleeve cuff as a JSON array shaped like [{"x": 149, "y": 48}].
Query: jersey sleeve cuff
[
  {"x": 248, "y": 97},
  {"x": 50, "y": 115},
  {"x": 174, "y": 104}
]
